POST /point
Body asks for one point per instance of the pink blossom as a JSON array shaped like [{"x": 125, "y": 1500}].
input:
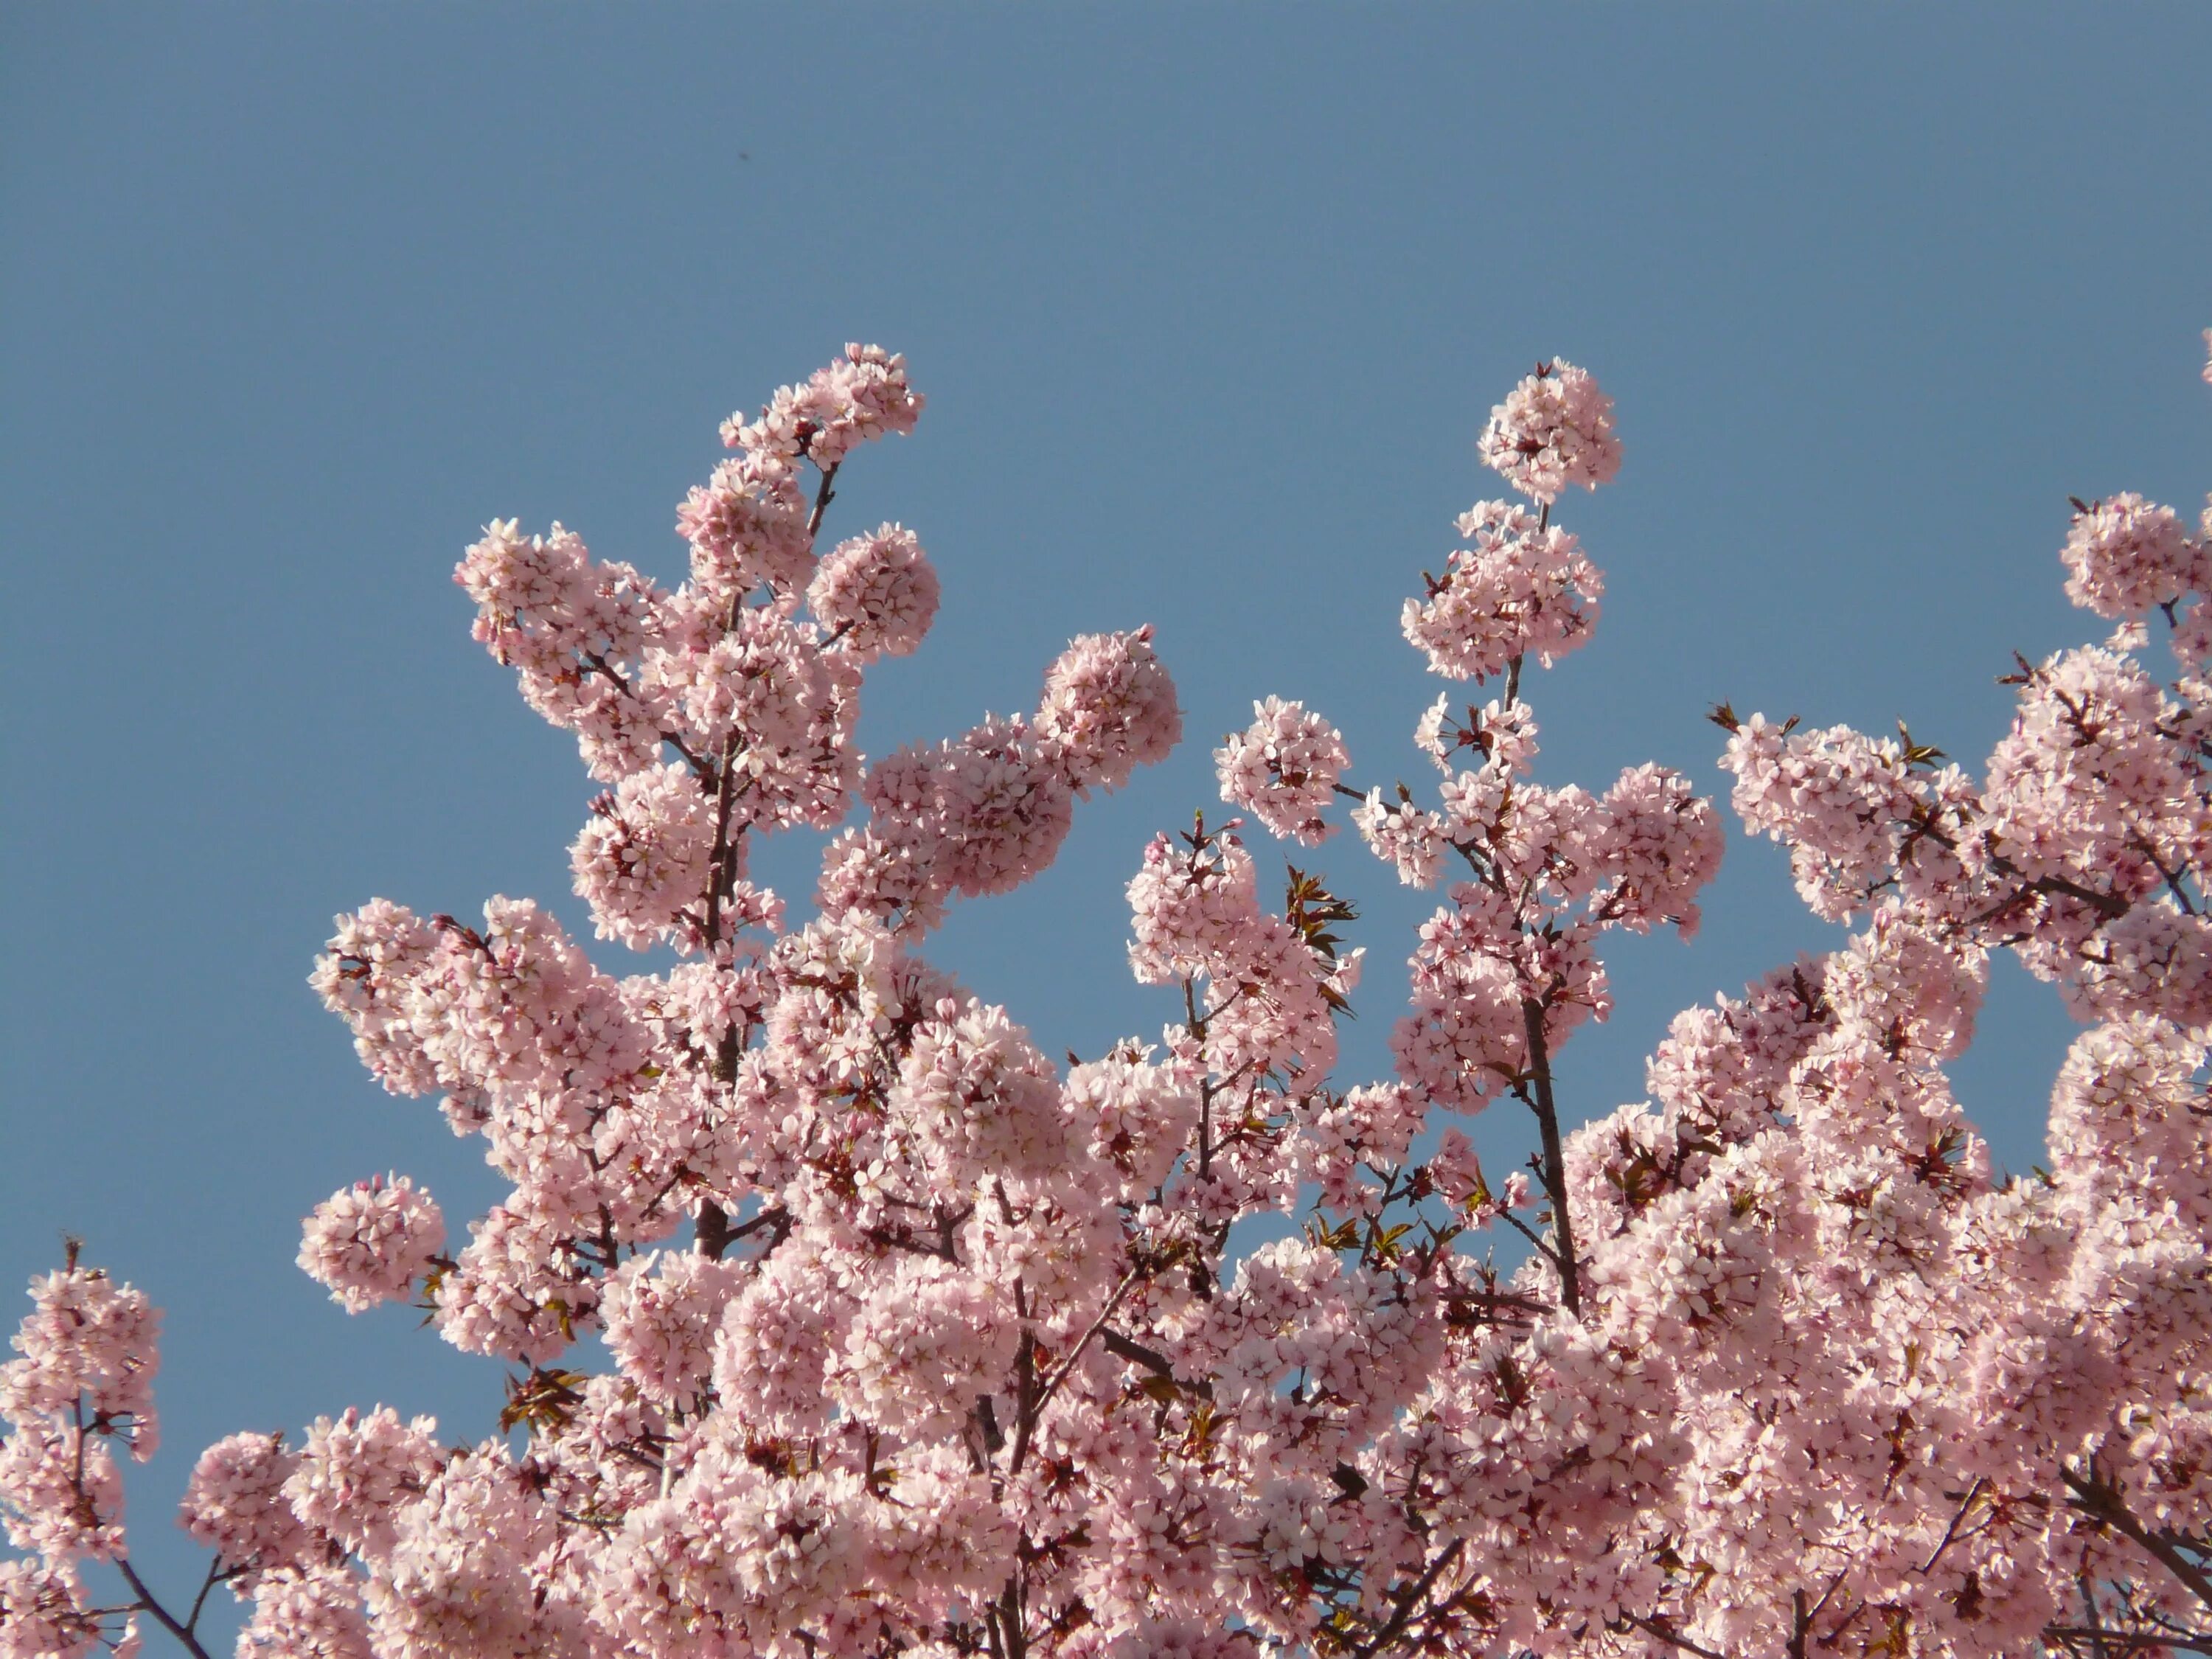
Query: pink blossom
[
  {"x": 61, "y": 1493},
  {"x": 1413, "y": 841},
  {"x": 915, "y": 1341},
  {"x": 1283, "y": 768},
  {"x": 774, "y": 1338},
  {"x": 1840, "y": 800},
  {"x": 355, "y": 1472},
  {"x": 1109, "y": 707},
  {"x": 661, "y": 1312},
  {"x": 1553, "y": 431},
  {"x": 520, "y": 1290},
  {"x": 875, "y": 594},
  {"x": 645, "y": 855},
  {"x": 370, "y": 1242},
  {"x": 747, "y": 528},
  {"x": 1006, "y": 803},
  {"x": 1187, "y": 905},
  {"x": 314, "y": 1614},
  {"x": 1475, "y": 976},
  {"x": 1372, "y": 1126},
  {"x": 1659, "y": 848},
  {"x": 364, "y": 979},
  {"x": 892, "y": 880},
  {"x": 1136, "y": 1115},
  {"x": 926, "y": 1342},
  {"x": 86, "y": 1339},
  {"x": 980, "y": 1099},
  {"x": 1520, "y": 588},
  {"x": 44, "y": 1613},
  {"x": 236, "y": 1505},
  {"x": 457, "y": 1579},
  {"x": 572, "y": 629},
  {"x": 857, "y": 399},
  {"x": 2125, "y": 556}
]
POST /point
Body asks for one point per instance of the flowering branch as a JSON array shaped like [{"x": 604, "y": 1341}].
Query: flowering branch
[{"x": 983, "y": 1378}]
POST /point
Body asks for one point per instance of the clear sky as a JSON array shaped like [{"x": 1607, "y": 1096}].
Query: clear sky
[{"x": 1209, "y": 302}]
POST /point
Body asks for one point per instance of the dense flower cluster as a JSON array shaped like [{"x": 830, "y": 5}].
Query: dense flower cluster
[
  {"x": 1521, "y": 588},
  {"x": 1553, "y": 431},
  {"x": 82, "y": 1385},
  {"x": 372, "y": 1242},
  {"x": 2127, "y": 555},
  {"x": 923, "y": 1346},
  {"x": 1283, "y": 768}
]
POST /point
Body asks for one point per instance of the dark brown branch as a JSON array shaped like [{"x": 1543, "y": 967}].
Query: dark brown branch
[
  {"x": 88, "y": 1512},
  {"x": 1530, "y": 1234},
  {"x": 823, "y": 494},
  {"x": 1652, "y": 1628},
  {"x": 2109, "y": 905},
  {"x": 2090, "y": 1611},
  {"x": 1138, "y": 1354},
  {"x": 1555, "y": 1161},
  {"x": 1415, "y": 1595},
  {"x": 1059, "y": 1371},
  {"x": 2101, "y": 1503},
  {"x": 2187, "y": 1641},
  {"x": 166, "y": 1620},
  {"x": 2172, "y": 877},
  {"x": 720, "y": 878},
  {"x": 1952, "y": 1531},
  {"x": 1151, "y": 1359},
  {"x": 1205, "y": 1131},
  {"x": 1013, "y": 1626},
  {"x": 987, "y": 1420},
  {"x": 216, "y": 1574},
  {"x": 1025, "y": 1400}
]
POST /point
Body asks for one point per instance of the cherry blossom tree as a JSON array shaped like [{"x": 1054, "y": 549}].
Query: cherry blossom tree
[{"x": 847, "y": 1323}]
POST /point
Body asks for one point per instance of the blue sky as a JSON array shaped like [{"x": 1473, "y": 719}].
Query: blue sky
[{"x": 1208, "y": 301}]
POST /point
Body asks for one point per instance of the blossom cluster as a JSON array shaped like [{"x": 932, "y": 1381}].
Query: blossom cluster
[
  {"x": 1522, "y": 587},
  {"x": 918, "y": 1343},
  {"x": 81, "y": 1387},
  {"x": 1553, "y": 431},
  {"x": 1284, "y": 768}
]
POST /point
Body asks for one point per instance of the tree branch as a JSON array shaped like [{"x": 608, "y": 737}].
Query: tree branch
[
  {"x": 2102, "y": 1503},
  {"x": 182, "y": 1633},
  {"x": 823, "y": 494},
  {"x": 1414, "y": 1595},
  {"x": 1555, "y": 1161},
  {"x": 1952, "y": 1531},
  {"x": 1652, "y": 1628},
  {"x": 700, "y": 769},
  {"x": 1059, "y": 1371},
  {"x": 2187, "y": 1641}
]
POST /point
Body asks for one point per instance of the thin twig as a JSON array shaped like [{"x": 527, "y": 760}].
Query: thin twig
[
  {"x": 215, "y": 1575},
  {"x": 1952, "y": 1531},
  {"x": 1059, "y": 1371},
  {"x": 823, "y": 494},
  {"x": 1412, "y": 1597},
  {"x": 182, "y": 1633},
  {"x": 705, "y": 773}
]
